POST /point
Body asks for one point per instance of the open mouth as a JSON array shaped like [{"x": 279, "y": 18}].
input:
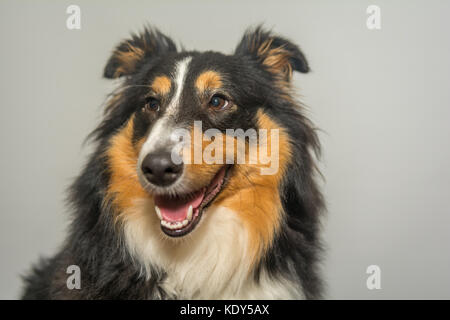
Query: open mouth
[{"x": 179, "y": 215}]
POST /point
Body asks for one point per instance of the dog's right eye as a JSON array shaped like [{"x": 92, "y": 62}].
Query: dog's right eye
[{"x": 152, "y": 104}]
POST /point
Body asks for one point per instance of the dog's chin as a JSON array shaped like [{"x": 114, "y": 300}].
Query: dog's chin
[{"x": 180, "y": 214}]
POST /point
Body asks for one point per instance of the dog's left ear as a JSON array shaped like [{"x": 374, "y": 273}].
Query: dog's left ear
[
  {"x": 278, "y": 55},
  {"x": 129, "y": 54}
]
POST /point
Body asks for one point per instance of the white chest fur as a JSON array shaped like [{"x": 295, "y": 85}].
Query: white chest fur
[{"x": 210, "y": 263}]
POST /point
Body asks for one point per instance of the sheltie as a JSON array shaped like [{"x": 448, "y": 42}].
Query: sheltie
[{"x": 147, "y": 225}]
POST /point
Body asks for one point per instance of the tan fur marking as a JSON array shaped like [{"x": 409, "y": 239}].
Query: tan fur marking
[
  {"x": 161, "y": 85},
  {"x": 128, "y": 60},
  {"x": 208, "y": 80},
  {"x": 255, "y": 197},
  {"x": 276, "y": 59},
  {"x": 201, "y": 174},
  {"x": 124, "y": 186}
]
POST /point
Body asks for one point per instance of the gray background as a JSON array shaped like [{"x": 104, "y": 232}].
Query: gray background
[{"x": 382, "y": 99}]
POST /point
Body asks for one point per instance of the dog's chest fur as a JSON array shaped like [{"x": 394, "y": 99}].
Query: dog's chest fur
[{"x": 211, "y": 263}]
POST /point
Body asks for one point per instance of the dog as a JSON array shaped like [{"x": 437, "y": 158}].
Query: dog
[{"x": 149, "y": 226}]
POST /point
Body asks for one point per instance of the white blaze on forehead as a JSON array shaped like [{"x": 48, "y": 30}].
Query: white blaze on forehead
[
  {"x": 180, "y": 77},
  {"x": 160, "y": 135}
]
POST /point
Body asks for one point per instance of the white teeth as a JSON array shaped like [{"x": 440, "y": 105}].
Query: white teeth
[
  {"x": 175, "y": 225},
  {"x": 189, "y": 214},
  {"x": 158, "y": 212}
]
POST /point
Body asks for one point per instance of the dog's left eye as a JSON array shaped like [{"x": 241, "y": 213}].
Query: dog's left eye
[
  {"x": 152, "y": 104},
  {"x": 218, "y": 102}
]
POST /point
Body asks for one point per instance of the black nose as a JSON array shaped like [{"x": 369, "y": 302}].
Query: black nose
[{"x": 159, "y": 169}]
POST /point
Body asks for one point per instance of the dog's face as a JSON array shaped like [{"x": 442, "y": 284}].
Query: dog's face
[{"x": 167, "y": 95}]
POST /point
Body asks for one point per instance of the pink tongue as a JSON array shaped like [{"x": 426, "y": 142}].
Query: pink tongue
[{"x": 176, "y": 209}]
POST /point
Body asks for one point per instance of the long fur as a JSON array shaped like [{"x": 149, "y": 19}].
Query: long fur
[{"x": 129, "y": 258}]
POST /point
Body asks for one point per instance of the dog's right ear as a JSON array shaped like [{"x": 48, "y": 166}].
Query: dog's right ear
[{"x": 130, "y": 53}]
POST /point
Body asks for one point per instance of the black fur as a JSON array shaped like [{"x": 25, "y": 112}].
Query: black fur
[
  {"x": 94, "y": 242},
  {"x": 153, "y": 43},
  {"x": 259, "y": 35}
]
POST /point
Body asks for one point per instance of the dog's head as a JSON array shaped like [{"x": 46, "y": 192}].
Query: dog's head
[{"x": 193, "y": 131}]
